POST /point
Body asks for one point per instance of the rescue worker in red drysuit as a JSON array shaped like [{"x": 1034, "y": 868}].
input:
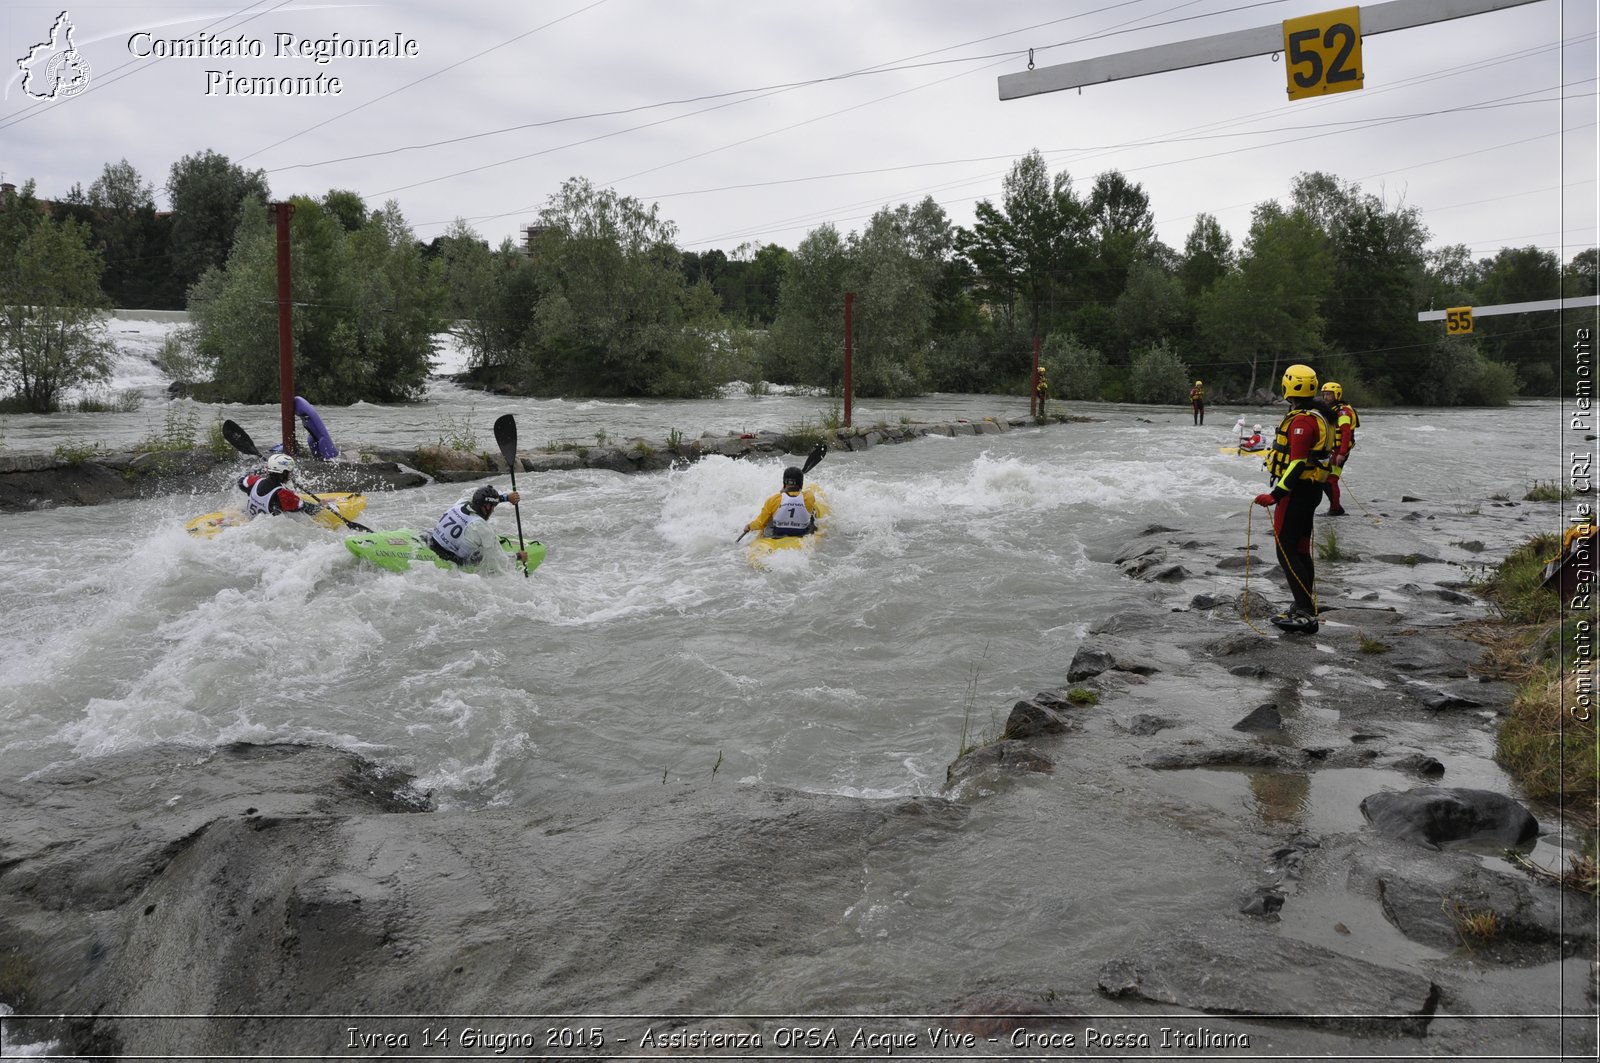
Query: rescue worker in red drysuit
[
  {"x": 1345, "y": 423},
  {"x": 1298, "y": 467}
]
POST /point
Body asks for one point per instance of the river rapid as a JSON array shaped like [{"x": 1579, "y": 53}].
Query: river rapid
[{"x": 957, "y": 576}]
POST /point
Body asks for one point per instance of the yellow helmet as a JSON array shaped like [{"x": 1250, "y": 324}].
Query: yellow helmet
[
  {"x": 1330, "y": 388},
  {"x": 1299, "y": 382},
  {"x": 1197, "y": 383}
]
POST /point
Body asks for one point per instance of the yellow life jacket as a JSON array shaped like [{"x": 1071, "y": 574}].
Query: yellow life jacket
[{"x": 1316, "y": 464}]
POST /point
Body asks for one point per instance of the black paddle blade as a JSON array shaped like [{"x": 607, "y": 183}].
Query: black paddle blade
[
  {"x": 505, "y": 435},
  {"x": 818, "y": 452},
  {"x": 239, "y": 439}
]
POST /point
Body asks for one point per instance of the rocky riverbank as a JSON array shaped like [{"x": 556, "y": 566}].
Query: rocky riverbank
[
  {"x": 35, "y": 480},
  {"x": 1328, "y": 880}
]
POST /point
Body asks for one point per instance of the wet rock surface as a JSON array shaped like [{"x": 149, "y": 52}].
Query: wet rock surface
[{"x": 1263, "y": 907}]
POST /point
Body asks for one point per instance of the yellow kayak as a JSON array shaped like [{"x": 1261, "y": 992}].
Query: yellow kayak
[
  {"x": 348, "y": 503},
  {"x": 765, "y": 546}
]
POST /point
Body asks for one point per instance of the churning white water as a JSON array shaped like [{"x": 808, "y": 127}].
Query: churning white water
[{"x": 958, "y": 575}]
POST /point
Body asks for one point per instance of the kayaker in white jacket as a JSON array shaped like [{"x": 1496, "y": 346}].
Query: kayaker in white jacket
[
  {"x": 270, "y": 492},
  {"x": 463, "y": 534}
]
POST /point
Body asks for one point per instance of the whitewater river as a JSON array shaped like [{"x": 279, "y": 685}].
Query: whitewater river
[{"x": 958, "y": 575}]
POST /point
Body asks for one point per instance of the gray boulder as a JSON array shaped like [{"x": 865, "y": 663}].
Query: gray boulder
[{"x": 1436, "y": 816}]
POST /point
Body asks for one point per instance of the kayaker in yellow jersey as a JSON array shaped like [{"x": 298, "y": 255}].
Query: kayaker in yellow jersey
[{"x": 792, "y": 511}]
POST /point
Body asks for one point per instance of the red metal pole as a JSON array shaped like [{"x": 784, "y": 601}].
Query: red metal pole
[
  {"x": 285, "y": 328},
  {"x": 849, "y": 352},
  {"x": 1033, "y": 388}
]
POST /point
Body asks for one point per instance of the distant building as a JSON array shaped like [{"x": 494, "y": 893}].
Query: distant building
[{"x": 531, "y": 233}]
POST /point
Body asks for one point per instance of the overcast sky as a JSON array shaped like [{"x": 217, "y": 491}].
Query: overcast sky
[{"x": 761, "y": 121}]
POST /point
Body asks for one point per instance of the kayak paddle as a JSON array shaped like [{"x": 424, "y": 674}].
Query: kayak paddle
[
  {"x": 240, "y": 440},
  {"x": 818, "y": 452},
  {"x": 505, "y": 434}
]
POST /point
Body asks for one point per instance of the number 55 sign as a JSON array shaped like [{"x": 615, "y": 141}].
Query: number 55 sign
[
  {"x": 1323, "y": 53},
  {"x": 1458, "y": 320}
]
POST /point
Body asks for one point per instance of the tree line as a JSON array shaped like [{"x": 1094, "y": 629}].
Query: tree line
[{"x": 600, "y": 300}]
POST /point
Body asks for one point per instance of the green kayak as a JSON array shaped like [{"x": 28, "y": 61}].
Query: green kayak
[{"x": 396, "y": 550}]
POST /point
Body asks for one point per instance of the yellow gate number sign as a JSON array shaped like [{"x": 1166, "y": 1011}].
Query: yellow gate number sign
[
  {"x": 1458, "y": 321},
  {"x": 1323, "y": 53}
]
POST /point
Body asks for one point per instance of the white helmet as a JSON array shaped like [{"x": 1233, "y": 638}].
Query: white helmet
[
  {"x": 280, "y": 465},
  {"x": 1257, "y": 429}
]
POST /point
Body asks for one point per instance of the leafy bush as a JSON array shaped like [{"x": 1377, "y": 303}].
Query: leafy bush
[
  {"x": 177, "y": 430},
  {"x": 1158, "y": 375},
  {"x": 1075, "y": 370}
]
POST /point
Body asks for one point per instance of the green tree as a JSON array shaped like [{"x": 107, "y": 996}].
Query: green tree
[
  {"x": 387, "y": 337},
  {"x": 1271, "y": 306},
  {"x": 367, "y": 305},
  {"x": 490, "y": 297},
  {"x": 1207, "y": 256},
  {"x": 347, "y": 207},
  {"x": 751, "y": 281},
  {"x": 1151, "y": 307},
  {"x": 1450, "y": 277},
  {"x": 1528, "y": 342},
  {"x": 52, "y": 336},
  {"x": 1378, "y": 268},
  {"x": 1580, "y": 277},
  {"x": 207, "y": 194},
  {"x": 1076, "y": 371},
  {"x": 1453, "y": 371},
  {"x": 806, "y": 343},
  {"x": 610, "y": 318},
  {"x": 1122, "y": 231},
  {"x": 119, "y": 210},
  {"x": 895, "y": 267},
  {"x": 1158, "y": 375},
  {"x": 1025, "y": 249}
]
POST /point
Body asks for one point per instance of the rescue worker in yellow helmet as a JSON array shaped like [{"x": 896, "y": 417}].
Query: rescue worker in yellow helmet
[
  {"x": 1197, "y": 402},
  {"x": 1345, "y": 423},
  {"x": 1041, "y": 391},
  {"x": 1297, "y": 468}
]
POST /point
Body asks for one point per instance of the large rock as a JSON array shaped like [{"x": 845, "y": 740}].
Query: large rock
[
  {"x": 1259, "y": 973},
  {"x": 292, "y": 881},
  {"x": 1431, "y": 898},
  {"x": 1435, "y": 816}
]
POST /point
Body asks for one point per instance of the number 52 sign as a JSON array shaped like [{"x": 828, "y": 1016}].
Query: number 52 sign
[{"x": 1323, "y": 53}]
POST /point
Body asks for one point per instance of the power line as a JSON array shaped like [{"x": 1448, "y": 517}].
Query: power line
[
  {"x": 410, "y": 84},
  {"x": 891, "y": 66},
  {"x": 764, "y": 93}
]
